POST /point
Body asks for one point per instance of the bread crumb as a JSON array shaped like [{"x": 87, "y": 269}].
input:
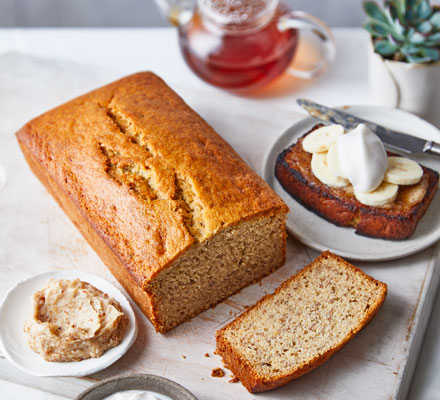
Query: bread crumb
[
  {"x": 218, "y": 373},
  {"x": 183, "y": 357},
  {"x": 206, "y": 354}
]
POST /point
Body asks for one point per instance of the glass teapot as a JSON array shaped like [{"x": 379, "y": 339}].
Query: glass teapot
[{"x": 244, "y": 44}]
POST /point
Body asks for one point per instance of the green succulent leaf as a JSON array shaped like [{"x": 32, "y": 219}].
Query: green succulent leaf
[
  {"x": 375, "y": 29},
  {"x": 433, "y": 54},
  {"x": 385, "y": 48},
  {"x": 397, "y": 10},
  {"x": 399, "y": 28},
  {"x": 384, "y": 29},
  {"x": 392, "y": 10},
  {"x": 410, "y": 50},
  {"x": 418, "y": 60},
  {"x": 423, "y": 10},
  {"x": 435, "y": 20},
  {"x": 416, "y": 38},
  {"x": 433, "y": 39},
  {"x": 412, "y": 11},
  {"x": 424, "y": 27},
  {"x": 373, "y": 10},
  {"x": 400, "y": 6}
]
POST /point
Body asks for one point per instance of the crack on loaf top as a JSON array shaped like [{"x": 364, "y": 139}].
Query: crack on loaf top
[
  {"x": 127, "y": 127},
  {"x": 192, "y": 210},
  {"x": 126, "y": 172},
  {"x": 151, "y": 178}
]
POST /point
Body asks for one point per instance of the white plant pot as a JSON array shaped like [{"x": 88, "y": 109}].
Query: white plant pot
[{"x": 411, "y": 87}]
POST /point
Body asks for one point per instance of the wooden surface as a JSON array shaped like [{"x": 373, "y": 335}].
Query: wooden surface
[{"x": 36, "y": 237}]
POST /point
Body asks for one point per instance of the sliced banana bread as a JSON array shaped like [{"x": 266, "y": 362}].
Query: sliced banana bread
[
  {"x": 308, "y": 318},
  {"x": 395, "y": 221}
]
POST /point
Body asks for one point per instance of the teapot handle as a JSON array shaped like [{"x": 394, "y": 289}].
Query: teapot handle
[{"x": 303, "y": 21}]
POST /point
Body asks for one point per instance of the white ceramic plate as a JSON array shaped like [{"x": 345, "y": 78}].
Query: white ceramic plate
[
  {"x": 321, "y": 235},
  {"x": 2, "y": 177},
  {"x": 14, "y": 311}
]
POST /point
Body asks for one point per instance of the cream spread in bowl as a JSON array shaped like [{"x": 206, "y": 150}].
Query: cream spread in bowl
[
  {"x": 362, "y": 158},
  {"x": 137, "y": 395},
  {"x": 71, "y": 320}
]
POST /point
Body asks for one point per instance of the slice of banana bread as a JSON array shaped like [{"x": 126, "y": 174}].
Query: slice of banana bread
[
  {"x": 308, "y": 318},
  {"x": 339, "y": 206}
]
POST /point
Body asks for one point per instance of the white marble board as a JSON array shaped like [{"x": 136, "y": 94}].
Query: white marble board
[{"x": 36, "y": 236}]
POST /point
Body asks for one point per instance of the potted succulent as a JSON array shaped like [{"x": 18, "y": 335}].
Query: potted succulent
[{"x": 405, "y": 56}]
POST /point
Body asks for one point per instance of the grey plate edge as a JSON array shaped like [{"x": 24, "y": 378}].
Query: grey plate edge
[{"x": 123, "y": 382}]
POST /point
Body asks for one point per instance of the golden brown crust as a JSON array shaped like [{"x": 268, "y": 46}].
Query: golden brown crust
[
  {"x": 341, "y": 208},
  {"x": 244, "y": 371},
  {"x": 96, "y": 242},
  {"x": 119, "y": 160}
]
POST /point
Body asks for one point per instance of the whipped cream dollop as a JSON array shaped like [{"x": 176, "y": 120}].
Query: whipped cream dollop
[{"x": 362, "y": 158}]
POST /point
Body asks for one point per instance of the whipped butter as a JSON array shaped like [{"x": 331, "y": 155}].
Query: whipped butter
[
  {"x": 362, "y": 158},
  {"x": 73, "y": 321},
  {"x": 137, "y": 395}
]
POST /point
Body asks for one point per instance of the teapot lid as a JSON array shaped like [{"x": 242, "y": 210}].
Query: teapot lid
[{"x": 238, "y": 14}]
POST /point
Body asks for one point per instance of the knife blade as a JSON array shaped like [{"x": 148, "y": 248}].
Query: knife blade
[{"x": 395, "y": 140}]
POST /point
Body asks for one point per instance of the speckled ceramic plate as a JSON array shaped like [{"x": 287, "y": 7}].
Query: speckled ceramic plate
[
  {"x": 14, "y": 311},
  {"x": 151, "y": 383},
  {"x": 319, "y": 234}
]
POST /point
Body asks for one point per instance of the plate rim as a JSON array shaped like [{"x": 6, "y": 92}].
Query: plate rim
[
  {"x": 268, "y": 164},
  {"x": 131, "y": 380},
  {"x": 126, "y": 343}
]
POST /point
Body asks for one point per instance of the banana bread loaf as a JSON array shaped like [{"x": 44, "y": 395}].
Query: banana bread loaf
[
  {"x": 308, "y": 318},
  {"x": 178, "y": 217}
]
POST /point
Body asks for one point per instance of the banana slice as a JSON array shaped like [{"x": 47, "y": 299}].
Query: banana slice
[
  {"x": 333, "y": 162},
  {"x": 321, "y": 139},
  {"x": 386, "y": 193},
  {"x": 321, "y": 171},
  {"x": 403, "y": 171}
]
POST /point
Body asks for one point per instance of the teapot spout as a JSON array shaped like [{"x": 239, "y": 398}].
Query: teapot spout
[{"x": 177, "y": 12}]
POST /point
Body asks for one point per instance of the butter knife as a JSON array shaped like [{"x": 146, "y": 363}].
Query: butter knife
[{"x": 395, "y": 140}]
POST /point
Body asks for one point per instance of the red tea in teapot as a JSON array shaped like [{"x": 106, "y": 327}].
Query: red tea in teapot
[{"x": 237, "y": 44}]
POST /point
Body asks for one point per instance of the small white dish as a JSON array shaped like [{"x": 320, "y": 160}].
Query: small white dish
[
  {"x": 320, "y": 234},
  {"x": 15, "y": 308}
]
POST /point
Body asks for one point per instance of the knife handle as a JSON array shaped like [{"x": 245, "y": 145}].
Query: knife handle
[{"x": 432, "y": 147}]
